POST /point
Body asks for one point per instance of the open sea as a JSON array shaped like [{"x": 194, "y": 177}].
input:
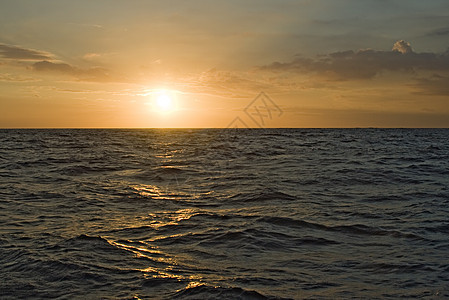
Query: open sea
[{"x": 224, "y": 213}]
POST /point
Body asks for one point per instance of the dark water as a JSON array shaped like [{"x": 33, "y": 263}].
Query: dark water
[{"x": 224, "y": 214}]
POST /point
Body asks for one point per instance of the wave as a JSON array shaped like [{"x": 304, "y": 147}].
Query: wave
[
  {"x": 268, "y": 195},
  {"x": 217, "y": 292},
  {"x": 163, "y": 174},
  {"x": 356, "y": 229},
  {"x": 395, "y": 267}
]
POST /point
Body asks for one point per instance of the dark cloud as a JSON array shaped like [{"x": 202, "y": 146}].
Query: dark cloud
[
  {"x": 440, "y": 32},
  {"x": 365, "y": 64},
  {"x": 46, "y": 66},
  {"x": 91, "y": 74},
  {"x": 14, "y": 52}
]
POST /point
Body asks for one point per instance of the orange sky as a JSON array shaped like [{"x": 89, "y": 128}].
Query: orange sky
[{"x": 320, "y": 63}]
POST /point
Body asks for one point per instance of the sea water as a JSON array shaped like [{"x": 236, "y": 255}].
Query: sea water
[{"x": 224, "y": 213}]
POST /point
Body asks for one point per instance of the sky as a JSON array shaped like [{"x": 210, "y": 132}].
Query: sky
[{"x": 234, "y": 63}]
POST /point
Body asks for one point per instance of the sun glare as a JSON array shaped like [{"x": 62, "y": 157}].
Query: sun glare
[{"x": 165, "y": 102}]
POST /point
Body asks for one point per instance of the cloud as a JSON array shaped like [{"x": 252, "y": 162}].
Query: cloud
[
  {"x": 19, "y": 53},
  {"x": 437, "y": 85},
  {"x": 402, "y": 47},
  {"x": 91, "y": 74},
  {"x": 91, "y": 56},
  {"x": 441, "y": 32},
  {"x": 365, "y": 64},
  {"x": 46, "y": 66},
  {"x": 44, "y": 62},
  {"x": 15, "y": 78},
  {"x": 230, "y": 84}
]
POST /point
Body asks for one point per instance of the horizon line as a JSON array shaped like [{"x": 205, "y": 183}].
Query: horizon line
[{"x": 189, "y": 128}]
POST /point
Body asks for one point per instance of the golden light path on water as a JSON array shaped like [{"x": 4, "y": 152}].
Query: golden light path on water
[{"x": 158, "y": 221}]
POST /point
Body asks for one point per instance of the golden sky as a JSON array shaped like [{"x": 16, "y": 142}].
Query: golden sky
[{"x": 321, "y": 63}]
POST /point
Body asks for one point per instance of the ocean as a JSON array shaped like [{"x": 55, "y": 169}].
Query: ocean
[{"x": 224, "y": 213}]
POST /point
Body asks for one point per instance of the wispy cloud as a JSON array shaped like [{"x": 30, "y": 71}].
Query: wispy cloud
[
  {"x": 45, "y": 62},
  {"x": 46, "y": 66},
  {"x": 440, "y": 32},
  {"x": 90, "y": 74},
  {"x": 20, "y": 53},
  {"x": 436, "y": 85},
  {"x": 229, "y": 84},
  {"x": 15, "y": 78}
]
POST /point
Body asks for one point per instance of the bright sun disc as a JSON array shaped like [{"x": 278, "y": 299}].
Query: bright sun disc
[{"x": 164, "y": 102}]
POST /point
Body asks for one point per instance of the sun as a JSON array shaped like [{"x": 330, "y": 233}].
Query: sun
[{"x": 165, "y": 101}]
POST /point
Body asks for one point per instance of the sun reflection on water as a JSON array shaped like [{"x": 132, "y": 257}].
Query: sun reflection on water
[
  {"x": 162, "y": 224},
  {"x": 146, "y": 249},
  {"x": 163, "y": 219}
]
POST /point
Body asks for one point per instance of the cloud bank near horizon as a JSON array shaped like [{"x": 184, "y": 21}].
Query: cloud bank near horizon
[{"x": 365, "y": 63}]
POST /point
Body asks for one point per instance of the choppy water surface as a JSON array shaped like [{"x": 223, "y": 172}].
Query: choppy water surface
[{"x": 250, "y": 214}]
